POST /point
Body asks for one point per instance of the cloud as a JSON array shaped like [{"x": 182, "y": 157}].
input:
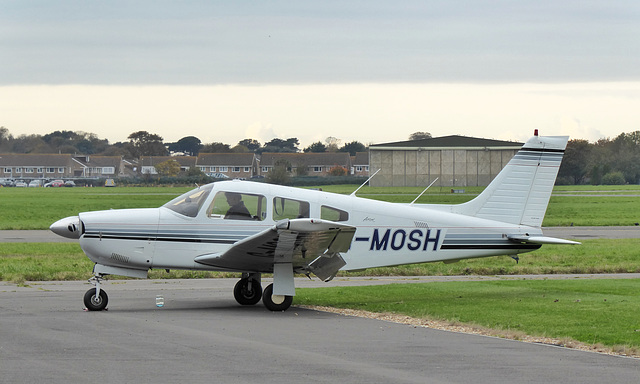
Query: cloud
[
  {"x": 289, "y": 42},
  {"x": 261, "y": 132}
]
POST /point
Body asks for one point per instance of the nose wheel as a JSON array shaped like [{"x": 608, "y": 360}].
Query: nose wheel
[
  {"x": 95, "y": 302},
  {"x": 96, "y": 299}
]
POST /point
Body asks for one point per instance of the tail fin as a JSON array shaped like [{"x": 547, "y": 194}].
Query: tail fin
[{"x": 520, "y": 193}]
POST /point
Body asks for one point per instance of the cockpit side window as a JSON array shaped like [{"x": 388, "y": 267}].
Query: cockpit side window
[
  {"x": 238, "y": 206},
  {"x": 333, "y": 214},
  {"x": 289, "y": 209},
  {"x": 189, "y": 204}
]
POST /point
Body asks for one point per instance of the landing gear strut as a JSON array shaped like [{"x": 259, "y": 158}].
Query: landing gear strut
[{"x": 96, "y": 299}]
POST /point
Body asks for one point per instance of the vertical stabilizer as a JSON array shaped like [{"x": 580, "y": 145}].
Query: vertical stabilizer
[{"x": 521, "y": 191}]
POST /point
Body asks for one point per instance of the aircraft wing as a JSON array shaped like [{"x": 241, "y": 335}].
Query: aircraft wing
[
  {"x": 540, "y": 240},
  {"x": 312, "y": 245}
]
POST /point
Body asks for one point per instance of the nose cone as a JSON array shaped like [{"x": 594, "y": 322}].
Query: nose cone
[{"x": 70, "y": 227}]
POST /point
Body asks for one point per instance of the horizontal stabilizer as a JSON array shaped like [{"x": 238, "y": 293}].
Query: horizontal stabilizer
[{"x": 541, "y": 240}]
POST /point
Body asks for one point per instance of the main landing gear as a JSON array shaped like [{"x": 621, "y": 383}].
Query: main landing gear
[
  {"x": 248, "y": 291},
  {"x": 96, "y": 299}
]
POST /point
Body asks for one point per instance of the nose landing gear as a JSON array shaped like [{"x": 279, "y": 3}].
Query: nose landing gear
[{"x": 96, "y": 299}]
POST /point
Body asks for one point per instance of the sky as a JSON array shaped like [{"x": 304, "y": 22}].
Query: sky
[{"x": 372, "y": 71}]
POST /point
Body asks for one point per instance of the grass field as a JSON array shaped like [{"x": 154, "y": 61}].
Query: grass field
[
  {"x": 37, "y": 208},
  {"x": 21, "y": 262}
]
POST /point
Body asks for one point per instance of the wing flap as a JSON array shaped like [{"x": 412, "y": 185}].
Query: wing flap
[{"x": 296, "y": 241}]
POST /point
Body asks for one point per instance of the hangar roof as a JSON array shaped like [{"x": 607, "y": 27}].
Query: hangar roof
[{"x": 453, "y": 141}]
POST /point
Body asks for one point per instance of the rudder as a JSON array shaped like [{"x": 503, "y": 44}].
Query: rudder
[{"x": 520, "y": 193}]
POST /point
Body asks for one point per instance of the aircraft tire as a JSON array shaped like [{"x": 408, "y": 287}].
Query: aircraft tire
[
  {"x": 282, "y": 304},
  {"x": 94, "y": 304},
  {"x": 242, "y": 294}
]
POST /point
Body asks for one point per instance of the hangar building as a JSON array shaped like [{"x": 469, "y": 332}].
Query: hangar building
[{"x": 457, "y": 161}]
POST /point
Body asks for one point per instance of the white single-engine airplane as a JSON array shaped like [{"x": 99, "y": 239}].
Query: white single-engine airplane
[{"x": 257, "y": 228}]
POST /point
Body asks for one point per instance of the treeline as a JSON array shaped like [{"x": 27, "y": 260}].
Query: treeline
[
  {"x": 143, "y": 143},
  {"x": 607, "y": 161}
]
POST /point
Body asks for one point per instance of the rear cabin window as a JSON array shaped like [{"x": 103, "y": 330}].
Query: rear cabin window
[
  {"x": 289, "y": 209},
  {"x": 238, "y": 206},
  {"x": 333, "y": 214}
]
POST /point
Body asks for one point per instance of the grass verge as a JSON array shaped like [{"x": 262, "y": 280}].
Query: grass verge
[
  {"x": 600, "y": 311},
  {"x": 21, "y": 262}
]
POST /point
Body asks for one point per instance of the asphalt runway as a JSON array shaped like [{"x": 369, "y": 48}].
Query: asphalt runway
[{"x": 202, "y": 336}]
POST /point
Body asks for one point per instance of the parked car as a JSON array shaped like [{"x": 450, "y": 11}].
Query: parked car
[
  {"x": 7, "y": 182},
  {"x": 21, "y": 184},
  {"x": 55, "y": 183},
  {"x": 69, "y": 183},
  {"x": 35, "y": 183},
  {"x": 218, "y": 175}
]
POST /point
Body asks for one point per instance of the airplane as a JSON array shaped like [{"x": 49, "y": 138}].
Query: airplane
[{"x": 256, "y": 228}]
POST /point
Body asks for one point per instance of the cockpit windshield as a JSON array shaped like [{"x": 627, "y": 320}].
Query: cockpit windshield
[{"x": 189, "y": 204}]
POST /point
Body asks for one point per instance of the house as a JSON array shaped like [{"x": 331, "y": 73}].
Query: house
[
  {"x": 92, "y": 166},
  {"x": 146, "y": 164},
  {"x": 454, "y": 160},
  {"x": 311, "y": 164},
  {"x": 36, "y": 166},
  {"x": 360, "y": 164},
  {"x": 228, "y": 165},
  {"x": 59, "y": 166}
]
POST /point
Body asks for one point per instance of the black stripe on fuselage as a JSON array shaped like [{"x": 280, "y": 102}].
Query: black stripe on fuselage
[
  {"x": 167, "y": 239},
  {"x": 451, "y": 247}
]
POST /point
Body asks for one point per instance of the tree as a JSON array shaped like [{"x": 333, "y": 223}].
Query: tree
[
  {"x": 337, "y": 171},
  {"x": 576, "y": 162},
  {"x": 316, "y": 147},
  {"x": 279, "y": 174},
  {"x": 189, "y": 145},
  {"x": 30, "y": 144},
  {"x": 147, "y": 144},
  {"x": 5, "y": 139},
  {"x": 332, "y": 143},
  {"x": 251, "y": 144},
  {"x": 420, "y": 136},
  {"x": 168, "y": 168},
  {"x": 81, "y": 142},
  {"x": 625, "y": 155},
  {"x": 289, "y": 145},
  {"x": 216, "y": 147},
  {"x": 240, "y": 149},
  {"x": 353, "y": 147}
]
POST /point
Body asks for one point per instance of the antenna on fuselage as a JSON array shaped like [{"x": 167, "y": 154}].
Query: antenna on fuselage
[
  {"x": 370, "y": 177},
  {"x": 425, "y": 190}
]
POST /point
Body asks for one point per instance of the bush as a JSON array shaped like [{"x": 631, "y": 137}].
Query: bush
[{"x": 613, "y": 178}]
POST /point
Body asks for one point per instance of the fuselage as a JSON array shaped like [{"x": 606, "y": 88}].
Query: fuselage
[{"x": 194, "y": 224}]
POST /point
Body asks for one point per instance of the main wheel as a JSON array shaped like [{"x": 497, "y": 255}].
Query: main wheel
[
  {"x": 247, "y": 291},
  {"x": 94, "y": 303},
  {"x": 275, "y": 302}
]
